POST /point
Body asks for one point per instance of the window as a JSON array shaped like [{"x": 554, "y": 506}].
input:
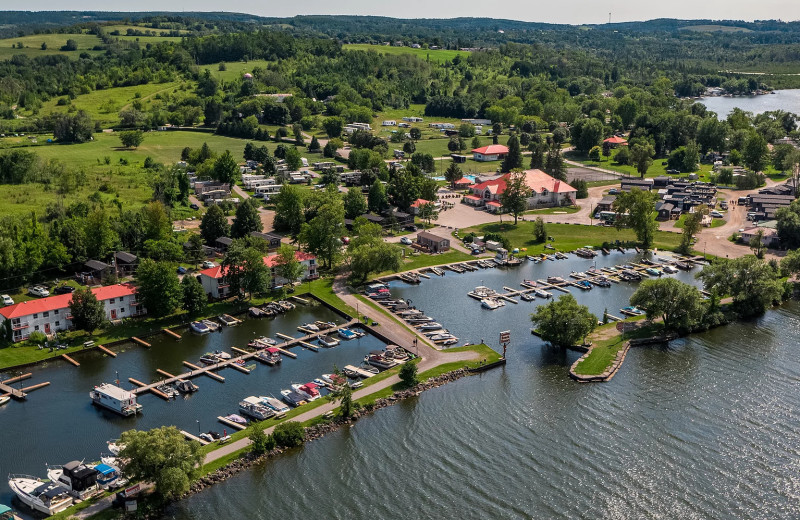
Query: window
[
  {"x": 55, "y": 312},
  {"x": 58, "y": 323},
  {"x": 111, "y": 300},
  {"x": 122, "y": 309},
  {"x": 36, "y": 327},
  {"x": 121, "y": 299},
  {"x": 35, "y": 316},
  {"x": 46, "y": 314}
]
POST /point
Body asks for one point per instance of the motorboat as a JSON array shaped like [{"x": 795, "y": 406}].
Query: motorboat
[
  {"x": 4, "y": 399},
  {"x": 347, "y": 334},
  {"x": 355, "y": 384},
  {"x": 328, "y": 378},
  {"x": 286, "y": 306},
  {"x": 270, "y": 356},
  {"x": 262, "y": 342},
  {"x": 631, "y": 311},
  {"x": 78, "y": 478},
  {"x": 108, "y": 476},
  {"x": 115, "y": 399},
  {"x": 275, "y": 404},
  {"x": 396, "y": 352},
  {"x": 481, "y": 292},
  {"x": 528, "y": 297},
  {"x": 234, "y": 418},
  {"x": 430, "y": 326},
  {"x": 529, "y": 283},
  {"x": 448, "y": 342},
  {"x": 670, "y": 269},
  {"x": 115, "y": 447},
  {"x": 252, "y": 406},
  {"x": 212, "y": 325},
  {"x": 170, "y": 391},
  {"x": 378, "y": 360},
  {"x": 210, "y": 436},
  {"x": 45, "y": 497},
  {"x": 368, "y": 368},
  {"x": 542, "y": 293},
  {"x": 492, "y": 303},
  {"x": 555, "y": 279},
  {"x": 561, "y": 256},
  {"x": 436, "y": 338},
  {"x": 6, "y": 513},
  {"x": 293, "y": 398},
  {"x": 327, "y": 341},
  {"x": 199, "y": 327},
  {"x": 228, "y": 320},
  {"x": 308, "y": 391},
  {"x": 222, "y": 356},
  {"x": 584, "y": 285},
  {"x": 308, "y": 327},
  {"x": 209, "y": 358},
  {"x": 601, "y": 281},
  {"x": 652, "y": 271},
  {"x": 185, "y": 386},
  {"x": 419, "y": 319}
]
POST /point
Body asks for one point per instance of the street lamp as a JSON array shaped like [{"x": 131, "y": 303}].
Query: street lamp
[{"x": 198, "y": 425}]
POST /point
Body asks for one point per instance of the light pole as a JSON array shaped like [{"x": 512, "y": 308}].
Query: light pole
[{"x": 198, "y": 425}]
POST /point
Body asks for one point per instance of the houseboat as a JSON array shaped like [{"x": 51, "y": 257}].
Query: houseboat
[
  {"x": 45, "y": 497},
  {"x": 78, "y": 478},
  {"x": 253, "y": 407},
  {"x": 270, "y": 356},
  {"x": 115, "y": 399}
]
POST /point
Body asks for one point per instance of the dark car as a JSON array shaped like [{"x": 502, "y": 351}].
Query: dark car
[
  {"x": 64, "y": 289},
  {"x": 673, "y": 172},
  {"x": 412, "y": 227},
  {"x": 194, "y": 206},
  {"x": 181, "y": 270}
]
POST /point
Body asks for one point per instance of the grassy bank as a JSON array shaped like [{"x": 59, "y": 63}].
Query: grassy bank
[
  {"x": 607, "y": 341},
  {"x": 426, "y": 260}
]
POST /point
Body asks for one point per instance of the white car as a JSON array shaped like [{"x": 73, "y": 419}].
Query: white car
[
  {"x": 406, "y": 241},
  {"x": 716, "y": 214},
  {"x": 6, "y": 299},
  {"x": 38, "y": 290},
  {"x": 208, "y": 264}
]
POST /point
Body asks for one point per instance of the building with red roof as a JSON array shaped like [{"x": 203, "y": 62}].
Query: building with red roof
[
  {"x": 421, "y": 202},
  {"x": 493, "y": 152},
  {"x": 616, "y": 141},
  {"x": 52, "y": 314},
  {"x": 545, "y": 192},
  {"x": 214, "y": 284}
]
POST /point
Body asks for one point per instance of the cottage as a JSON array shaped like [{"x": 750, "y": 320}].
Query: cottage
[
  {"x": 770, "y": 238},
  {"x": 216, "y": 286},
  {"x": 493, "y": 152},
  {"x": 52, "y": 314},
  {"x": 417, "y": 204},
  {"x": 432, "y": 243},
  {"x": 125, "y": 262},
  {"x": 223, "y": 243},
  {"x": 606, "y": 203},
  {"x": 463, "y": 183},
  {"x": 545, "y": 191},
  {"x": 664, "y": 210},
  {"x": 273, "y": 240},
  {"x": 95, "y": 271}
]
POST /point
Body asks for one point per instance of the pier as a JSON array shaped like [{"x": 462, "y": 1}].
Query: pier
[
  {"x": 141, "y": 342},
  {"x": 104, "y": 350},
  {"x": 171, "y": 333},
  {"x": 190, "y": 437},
  {"x": 231, "y": 423},
  {"x": 359, "y": 371},
  {"x": 70, "y": 360},
  {"x": 13, "y": 392}
]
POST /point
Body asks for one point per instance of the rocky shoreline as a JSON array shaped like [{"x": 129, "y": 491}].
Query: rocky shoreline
[
  {"x": 320, "y": 430},
  {"x": 609, "y": 372}
]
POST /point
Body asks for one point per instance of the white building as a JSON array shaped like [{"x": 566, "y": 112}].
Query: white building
[
  {"x": 389, "y": 122},
  {"x": 52, "y": 314},
  {"x": 215, "y": 285}
]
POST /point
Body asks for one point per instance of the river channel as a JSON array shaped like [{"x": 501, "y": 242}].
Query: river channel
[{"x": 708, "y": 427}]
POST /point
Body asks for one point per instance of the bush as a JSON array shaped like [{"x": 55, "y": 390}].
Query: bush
[
  {"x": 408, "y": 375},
  {"x": 37, "y": 337},
  {"x": 261, "y": 442},
  {"x": 289, "y": 434}
]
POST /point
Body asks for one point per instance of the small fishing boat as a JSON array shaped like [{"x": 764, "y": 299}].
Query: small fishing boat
[
  {"x": 212, "y": 325},
  {"x": 528, "y": 297},
  {"x": 252, "y": 407},
  {"x": 670, "y": 269},
  {"x": 4, "y": 399},
  {"x": 584, "y": 285},
  {"x": 168, "y": 390},
  {"x": 327, "y": 341},
  {"x": 430, "y": 326},
  {"x": 492, "y": 303},
  {"x": 542, "y": 293},
  {"x": 293, "y": 398},
  {"x": 346, "y": 334},
  {"x": 199, "y": 327},
  {"x": 275, "y": 404},
  {"x": 631, "y": 311},
  {"x": 209, "y": 359},
  {"x": 234, "y": 418},
  {"x": 270, "y": 356},
  {"x": 653, "y": 271},
  {"x": 307, "y": 327},
  {"x": 185, "y": 386}
]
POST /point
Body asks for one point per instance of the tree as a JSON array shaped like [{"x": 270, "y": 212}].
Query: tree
[
  {"x": 563, "y": 322},
  {"x": 554, "y": 164},
  {"x": 287, "y": 266},
  {"x": 158, "y": 287},
  {"x": 513, "y": 160},
  {"x": 409, "y": 147},
  {"x": 260, "y": 442},
  {"x": 757, "y": 243},
  {"x": 675, "y": 302},
  {"x": 636, "y": 209},
  {"x": 87, "y": 312},
  {"x": 711, "y": 135},
  {"x": 623, "y": 155},
  {"x": 595, "y": 153},
  {"x": 354, "y": 203},
  {"x": 368, "y": 252},
  {"x": 322, "y": 235},
  {"x": 452, "y": 174},
  {"x": 756, "y": 153},
  {"x": 377, "y": 200},
  {"x": 466, "y": 130},
  {"x": 289, "y": 214},
  {"x": 161, "y": 456},
  {"x": 195, "y": 252},
  {"x": 753, "y": 283},
  {"x": 408, "y": 375},
  {"x": 415, "y": 133},
  {"x": 725, "y": 176},
  {"x": 245, "y": 270},
  {"x": 428, "y": 212},
  {"x": 691, "y": 226},
  {"x": 476, "y": 142},
  {"x": 626, "y": 110},
  {"x": 214, "y": 225},
  {"x": 314, "y": 145},
  {"x": 289, "y": 434},
  {"x": 515, "y": 197},
  {"x": 642, "y": 158},
  {"x": 131, "y": 138},
  {"x": 293, "y": 159},
  {"x": 790, "y": 264},
  {"x": 73, "y": 128},
  {"x": 225, "y": 168},
  {"x": 247, "y": 219},
  {"x": 586, "y": 134},
  {"x": 539, "y": 230},
  {"x": 581, "y": 187},
  {"x": 684, "y": 158},
  {"x": 194, "y": 296},
  {"x": 333, "y": 126},
  {"x": 788, "y": 226}
]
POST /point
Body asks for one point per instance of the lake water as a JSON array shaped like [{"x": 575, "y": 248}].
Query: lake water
[
  {"x": 786, "y": 100},
  {"x": 58, "y": 423},
  {"x": 708, "y": 427}
]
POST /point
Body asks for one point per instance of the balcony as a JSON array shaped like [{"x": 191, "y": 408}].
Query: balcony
[{"x": 19, "y": 325}]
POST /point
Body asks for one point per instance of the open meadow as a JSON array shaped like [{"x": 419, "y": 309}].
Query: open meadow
[
  {"x": 32, "y": 45},
  {"x": 438, "y": 55}
]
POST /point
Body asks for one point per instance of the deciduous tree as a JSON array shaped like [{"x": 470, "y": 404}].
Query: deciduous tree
[
  {"x": 753, "y": 283},
  {"x": 87, "y": 312},
  {"x": 247, "y": 219},
  {"x": 287, "y": 266},
  {"x": 636, "y": 209},
  {"x": 158, "y": 287},
  {"x": 322, "y": 235},
  {"x": 355, "y": 204},
  {"x": 515, "y": 197},
  {"x": 131, "y": 138},
  {"x": 194, "y": 297},
  {"x": 564, "y": 322},
  {"x": 214, "y": 225},
  {"x": 675, "y": 302}
]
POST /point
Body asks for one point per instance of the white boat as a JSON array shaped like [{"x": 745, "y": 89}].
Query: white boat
[
  {"x": 275, "y": 404},
  {"x": 270, "y": 356},
  {"x": 45, "y": 497},
  {"x": 115, "y": 447},
  {"x": 347, "y": 334},
  {"x": 170, "y": 391},
  {"x": 253, "y": 407},
  {"x": 78, "y": 478},
  {"x": 308, "y": 326},
  {"x": 4, "y": 399},
  {"x": 115, "y": 399},
  {"x": 491, "y": 303},
  {"x": 669, "y": 269},
  {"x": 528, "y": 297},
  {"x": 542, "y": 293},
  {"x": 212, "y": 325},
  {"x": 430, "y": 326},
  {"x": 327, "y": 341},
  {"x": 199, "y": 327},
  {"x": 222, "y": 356},
  {"x": 109, "y": 476},
  {"x": 308, "y": 391},
  {"x": 238, "y": 419}
]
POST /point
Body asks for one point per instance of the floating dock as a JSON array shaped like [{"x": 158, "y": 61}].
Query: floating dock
[
  {"x": 104, "y": 350},
  {"x": 191, "y": 437},
  {"x": 70, "y": 360},
  {"x": 171, "y": 333},
  {"x": 359, "y": 371},
  {"x": 299, "y": 300},
  {"x": 309, "y": 346},
  {"x": 35, "y": 387},
  {"x": 231, "y": 423},
  {"x": 141, "y": 342}
]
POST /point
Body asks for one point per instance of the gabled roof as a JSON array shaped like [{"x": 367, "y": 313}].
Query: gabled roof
[
  {"x": 492, "y": 149},
  {"x": 125, "y": 257},
  {"x": 419, "y": 202},
  {"x": 61, "y": 301},
  {"x": 270, "y": 261},
  {"x": 536, "y": 180},
  {"x": 96, "y": 265},
  {"x": 430, "y": 236},
  {"x": 463, "y": 180},
  {"x": 615, "y": 140}
]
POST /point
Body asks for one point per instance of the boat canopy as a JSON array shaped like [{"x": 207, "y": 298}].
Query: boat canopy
[
  {"x": 272, "y": 350},
  {"x": 104, "y": 469},
  {"x": 48, "y": 490}
]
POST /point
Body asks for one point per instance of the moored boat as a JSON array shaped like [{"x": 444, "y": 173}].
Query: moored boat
[
  {"x": 252, "y": 406},
  {"x": 432, "y": 325},
  {"x": 199, "y": 327},
  {"x": 327, "y": 341},
  {"x": 670, "y": 269},
  {"x": 270, "y": 355},
  {"x": 275, "y": 404},
  {"x": 653, "y": 271},
  {"x": 293, "y": 398},
  {"x": 378, "y": 360},
  {"x": 308, "y": 327},
  {"x": 346, "y": 334},
  {"x": 115, "y": 399},
  {"x": 234, "y": 418},
  {"x": 631, "y": 311},
  {"x": 170, "y": 391},
  {"x": 212, "y": 325},
  {"x": 108, "y": 476},
  {"x": 185, "y": 386},
  {"x": 76, "y": 477},
  {"x": 45, "y": 497},
  {"x": 209, "y": 358},
  {"x": 542, "y": 293},
  {"x": 4, "y": 399},
  {"x": 309, "y": 391},
  {"x": 492, "y": 303},
  {"x": 528, "y": 297}
]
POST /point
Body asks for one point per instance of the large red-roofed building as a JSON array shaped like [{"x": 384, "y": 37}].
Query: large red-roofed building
[
  {"x": 52, "y": 314},
  {"x": 493, "y": 152},
  {"x": 545, "y": 192},
  {"x": 214, "y": 284}
]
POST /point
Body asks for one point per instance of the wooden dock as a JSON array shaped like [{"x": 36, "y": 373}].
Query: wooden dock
[
  {"x": 191, "y": 437},
  {"x": 141, "y": 342},
  {"x": 104, "y": 350},
  {"x": 360, "y": 372},
  {"x": 70, "y": 360},
  {"x": 231, "y": 423},
  {"x": 171, "y": 333},
  {"x": 13, "y": 392},
  {"x": 284, "y": 336},
  {"x": 164, "y": 373},
  {"x": 309, "y": 346},
  {"x": 299, "y": 300},
  {"x": 35, "y": 387}
]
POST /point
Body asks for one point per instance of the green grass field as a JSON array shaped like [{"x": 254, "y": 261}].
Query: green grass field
[
  {"x": 233, "y": 70},
  {"x": 655, "y": 170},
  {"x": 32, "y": 45},
  {"x": 569, "y": 237},
  {"x": 436, "y": 56}
]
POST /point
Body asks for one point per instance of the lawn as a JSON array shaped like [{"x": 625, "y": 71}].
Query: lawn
[
  {"x": 435, "y": 56},
  {"x": 565, "y": 210},
  {"x": 715, "y": 223},
  {"x": 234, "y": 70},
  {"x": 605, "y": 350},
  {"x": 655, "y": 170},
  {"x": 425, "y": 260},
  {"x": 32, "y": 45},
  {"x": 569, "y": 237}
]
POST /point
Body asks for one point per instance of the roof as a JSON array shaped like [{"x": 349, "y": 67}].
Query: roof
[
  {"x": 104, "y": 469},
  {"x": 493, "y": 203},
  {"x": 96, "y": 265},
  {"x": 419, "y": 202},
  {"x": 463, "y": 180},
  {"x": 125, "y": 257},
  {"x": 116, "y": 392},
  {"x": 492, "y": 149},
  {"x": 430, "y": 236},
  {"x": 270, "y": 261},
  {"x": 226, "y": 241},
  {"x": 536, "y": 180},
  {"x": 615, "y": 140},
  {"x": 61, "y": 301},
  {"x": 472, "y": 197},
  {"x": 608, "y": 199}
]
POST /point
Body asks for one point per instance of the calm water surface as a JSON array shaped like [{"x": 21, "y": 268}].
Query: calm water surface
[
  {"x": 787, "y": 100},
  {"x": 708, "y": 427}
]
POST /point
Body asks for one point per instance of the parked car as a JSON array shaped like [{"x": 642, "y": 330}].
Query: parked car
[
  {"x": 181, "y": 270},
  {"x": 716, "y": 214},
  {"x": 412, "y": 227},
  {"x": 208, "y": 264},
  {"x": 6, "y": 299},
  {"x": 194, "y": 206},
  {"x": 38, "y": 290},
  {"x": 613, "y": 191},
  {"x": 673, "y": 172},
  {"x": 64, "y": 289},
  {"x": 406, "y": 241}
]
